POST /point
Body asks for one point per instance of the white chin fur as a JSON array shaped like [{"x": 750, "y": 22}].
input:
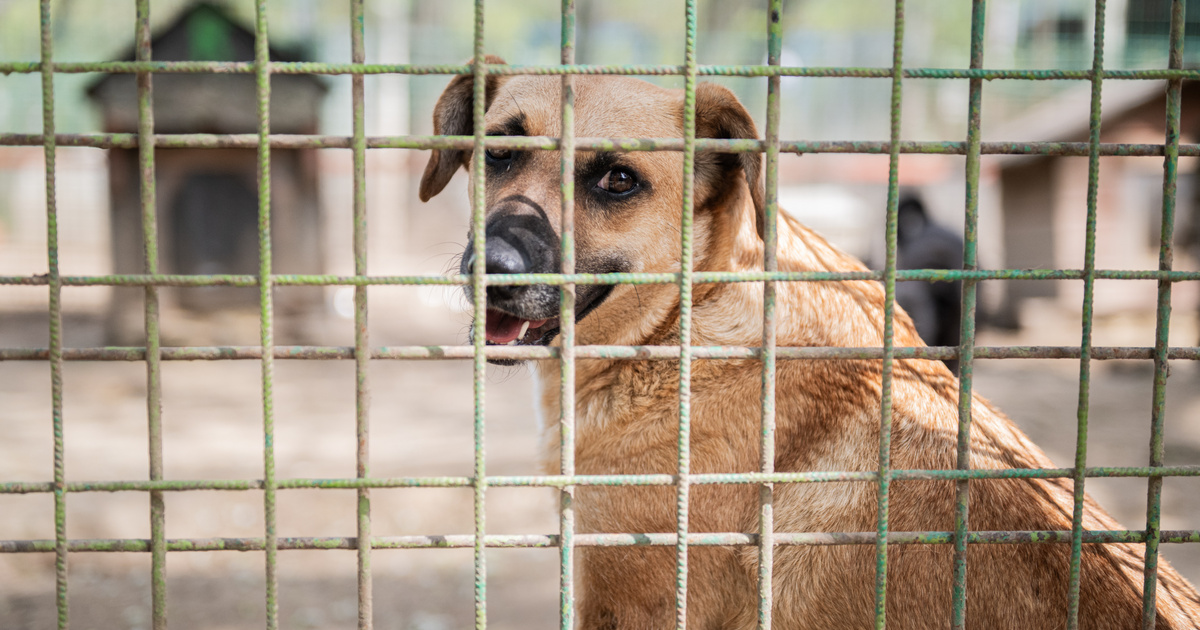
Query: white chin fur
[{"x": 538, "y": 414}]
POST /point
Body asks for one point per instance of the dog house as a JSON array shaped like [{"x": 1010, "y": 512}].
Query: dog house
[
  {"x": 1043, "y": 197},
  {"x": 207, "y": 198}
]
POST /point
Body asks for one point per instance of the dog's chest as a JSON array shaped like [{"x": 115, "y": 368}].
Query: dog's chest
[{"x": 627, "y": 418}]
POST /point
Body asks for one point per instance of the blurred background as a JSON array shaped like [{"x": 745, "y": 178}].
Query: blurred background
[{"x": 1032, "y": 215}]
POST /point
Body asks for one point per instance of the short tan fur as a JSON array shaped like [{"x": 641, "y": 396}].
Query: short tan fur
[{"x": 828, "y": 411}]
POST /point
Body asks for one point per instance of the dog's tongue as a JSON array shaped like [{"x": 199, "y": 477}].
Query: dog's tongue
[{"x": 503, "y": 328}]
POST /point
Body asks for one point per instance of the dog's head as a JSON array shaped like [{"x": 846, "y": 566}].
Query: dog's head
[{"x": 628, "y": 205}]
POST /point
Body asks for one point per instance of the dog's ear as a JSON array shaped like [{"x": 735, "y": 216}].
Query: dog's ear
[
  {"x": 720, "y": 115},
  {"x": 454, "y": 116}
]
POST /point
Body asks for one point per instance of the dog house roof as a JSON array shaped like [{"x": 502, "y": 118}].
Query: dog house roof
[{"x": 205, "y": 102}]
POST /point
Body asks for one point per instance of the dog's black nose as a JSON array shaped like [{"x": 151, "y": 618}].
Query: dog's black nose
[
  {"x": 502, "y": 257},
  {"x": 519, "y": 241}
]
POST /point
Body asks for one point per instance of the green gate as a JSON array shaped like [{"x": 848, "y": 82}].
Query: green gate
[{"x": 765, "y": 539}]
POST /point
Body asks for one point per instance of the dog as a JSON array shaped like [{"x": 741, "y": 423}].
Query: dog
[{"x": 627, "y": 218}]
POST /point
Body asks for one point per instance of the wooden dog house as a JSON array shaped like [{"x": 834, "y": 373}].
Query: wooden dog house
[{"x": 207, "y": 198}]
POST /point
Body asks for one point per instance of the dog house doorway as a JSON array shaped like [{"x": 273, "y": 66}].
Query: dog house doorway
[{"x": 215, "y": 214}]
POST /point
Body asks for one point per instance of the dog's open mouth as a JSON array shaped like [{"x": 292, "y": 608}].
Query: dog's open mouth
[
  {"x": 505, "y": 329},
  {"x": 509, "y": 330}
]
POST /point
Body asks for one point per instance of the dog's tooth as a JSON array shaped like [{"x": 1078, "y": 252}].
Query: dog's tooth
[
  {"x": 524, "y": 329},
  {"x": 512, "y": 343}
]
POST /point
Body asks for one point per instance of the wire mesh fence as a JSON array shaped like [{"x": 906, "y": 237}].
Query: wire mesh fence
[{"x": 765, "y": 539}]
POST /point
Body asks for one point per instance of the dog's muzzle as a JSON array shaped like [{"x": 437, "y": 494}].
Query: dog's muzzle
[{"x": 519, "y": 241}]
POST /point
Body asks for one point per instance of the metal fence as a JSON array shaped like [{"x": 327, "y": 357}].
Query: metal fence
[{"x": 765, "y": 539}]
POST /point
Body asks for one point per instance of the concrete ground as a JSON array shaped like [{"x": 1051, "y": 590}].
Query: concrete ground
[{"x": 421, "y": 425}]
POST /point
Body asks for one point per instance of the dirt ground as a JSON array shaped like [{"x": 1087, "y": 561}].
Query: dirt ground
[{"x": 421, "y": 425}]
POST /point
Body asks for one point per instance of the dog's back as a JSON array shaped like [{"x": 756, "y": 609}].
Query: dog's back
[
  {"x": 828, "y": 419},
  {"x": 1008, "y": 585}
]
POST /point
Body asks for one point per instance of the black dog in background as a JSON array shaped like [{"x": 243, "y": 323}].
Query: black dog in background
[{"x": 935, "y": 307}]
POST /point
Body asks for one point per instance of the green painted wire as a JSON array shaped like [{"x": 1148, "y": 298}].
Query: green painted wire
[
  {"x": 362, "y": 345},
  {"x": 548, "y": 143},
  {"x": 1085, "y": 346},
  {"x": 685, "y": 318},
  {"x": 546, "y": 353},
  {"x": 745, "y": 70},
  {"x": 262, "y": 75},
  {"x": 967, "y": 324},
  {"x": 1163, "y": 318},
  {"x": 558, "y": 481},
  {"x": 766, "y": 516},
  {"x": 566, "y": 318},
  {"x": 53, "y": 279},
  {"x": 889, "y": 308},
  {"x": 628, "y": 539},
  {"x": 158, "y": 543},
  {"x": 479, "y": 97},
  {"x": 699, "y": 277}
]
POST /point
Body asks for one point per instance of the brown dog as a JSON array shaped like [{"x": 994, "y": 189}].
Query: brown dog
[{"x": 628, "y": 208}]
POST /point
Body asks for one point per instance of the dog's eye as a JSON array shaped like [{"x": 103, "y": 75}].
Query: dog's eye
[
  {"x": 617, "y": 181},
  {"x": 498, "y": 155}
]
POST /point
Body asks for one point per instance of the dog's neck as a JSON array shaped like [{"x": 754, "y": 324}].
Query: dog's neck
[{"x": 726, "y": 314}]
